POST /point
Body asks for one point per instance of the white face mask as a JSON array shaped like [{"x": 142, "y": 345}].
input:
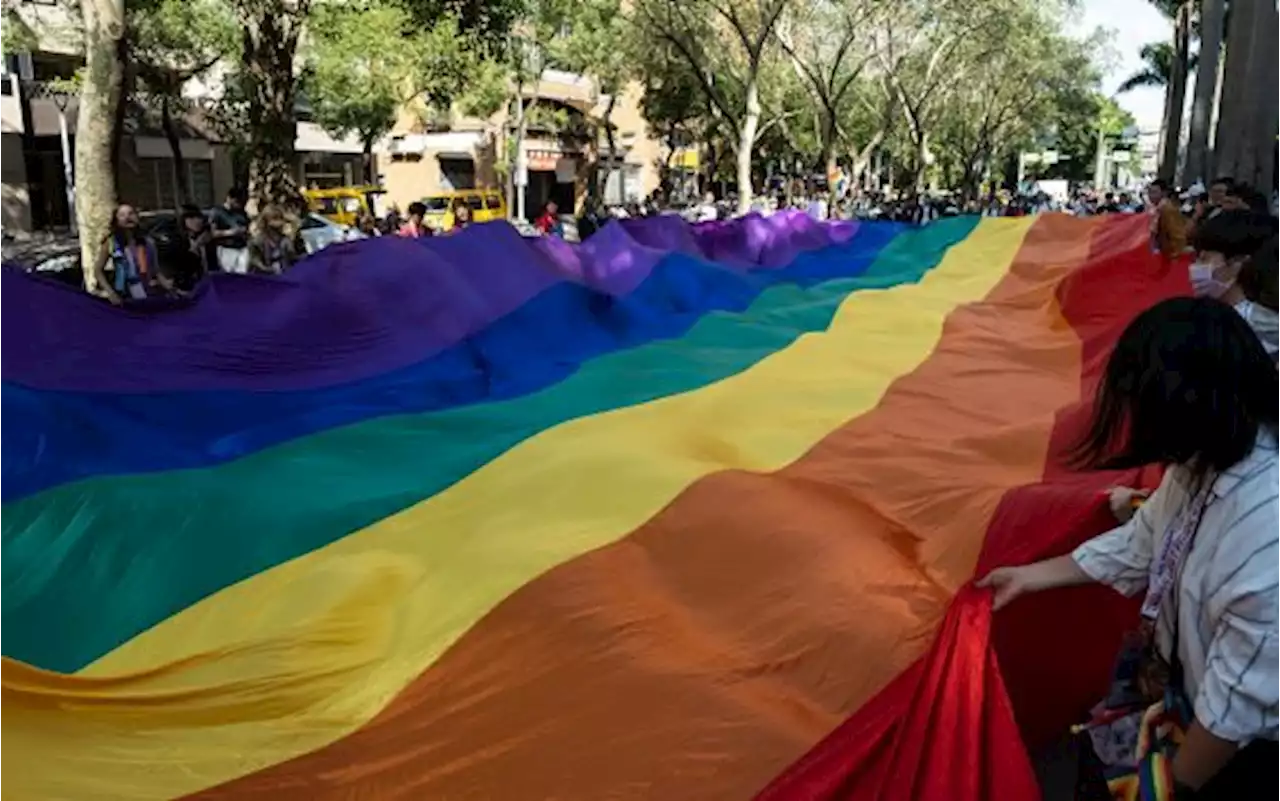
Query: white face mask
[{"x": 1203, "y": 284}]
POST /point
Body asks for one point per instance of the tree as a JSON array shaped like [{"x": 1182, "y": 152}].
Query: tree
[
  {"x": 725, "y": 44},
  {"x": 1011, "y": 102},
  {"x": 1080, "y": 116},
  {"x": 1157, "y": 67},
  {"x": 488, "y": 22},
  {"x": 18, "y": 36},
  {"x": 266, "y": 77},
  {"x": 1246, "y": 136},
  {"x": 928, "y": 48},
  {"x": 830, "y": 44},
  {"x": 365, "y": 60},
  {"x": 100, "y": 93},
  {"x": 173, "y": 42},
  {"x": 672, "y": 103},
  {"x": 1175, "y": 93},
  {"x": 595, "y": 39},
  {"x": 1199, "y": 164}
]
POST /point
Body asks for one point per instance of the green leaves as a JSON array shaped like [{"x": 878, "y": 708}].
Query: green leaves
[
  {"x": 366, "y": 60},
  {"x": 182, "y": 36}
]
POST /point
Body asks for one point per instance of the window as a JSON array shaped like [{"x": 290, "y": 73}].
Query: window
[
  {"x": 326, "y": 205},
  {"x": 54, "y": 66},
  {"x": 158, "y": 183},
  {"x": 493, "y": 202},
  {"x": 201, "y": 183},
  {"x": 457, "y": 173}
]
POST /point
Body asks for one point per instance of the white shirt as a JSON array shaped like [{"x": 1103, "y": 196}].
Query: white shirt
[
  {"x": 1227, "y": 596},
  {"x": 1264, "y": 323}
]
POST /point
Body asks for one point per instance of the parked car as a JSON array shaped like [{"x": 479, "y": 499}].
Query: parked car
[
  {"x": 345, "y": 205},
  {"x": 486, "y": 205},
  {"x": 53, "y": 257},
  {"x": 319, "y": 232}
]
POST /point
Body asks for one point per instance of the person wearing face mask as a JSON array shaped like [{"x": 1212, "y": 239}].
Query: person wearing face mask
[{"x": 1236, "y": 263}]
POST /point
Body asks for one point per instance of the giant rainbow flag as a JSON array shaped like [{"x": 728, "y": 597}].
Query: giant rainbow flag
[{"x": 679, "y": 513}]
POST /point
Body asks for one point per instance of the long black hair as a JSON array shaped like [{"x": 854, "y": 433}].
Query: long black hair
[{"x": 1187, "y": 383}]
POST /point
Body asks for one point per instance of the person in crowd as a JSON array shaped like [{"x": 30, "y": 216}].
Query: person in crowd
[
  {"x": 391, "y": 223},
  {"x": 272, "y": 249},
  {"x": 368, "y": 225},
  {"x": 593, "y": 218},
  {"x": 1218, "y": 191},
  {"x": 1168, "y": 226},
  {"x": 1244, "y": 197},
  {"x": 231, "y": 232},
  {"x": 706, "y": 210},
  {"x": 1190, "y": 387},
  {"x": 197, "y": 254},
  {"x": 1234, "y": 265},
  {"x": 548, "y": 222},
  {"x": 416, "y": 227},
  {"x": 461, "y": 214},
  {"x": 135, "y": 265},
  {"x": 1211, "y": 203}
]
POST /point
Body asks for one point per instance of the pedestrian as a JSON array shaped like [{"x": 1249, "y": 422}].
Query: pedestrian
[
  {"x": 548, "y": 222},
  {"x": 135, "y": 265},
  {"x": 197, "y": 255},
  {"x": 231, "y": 232},
  {"x": 461, "y": 215},
  {"x": 1233, "y": 264},
  {"x": 271, "y": 249},
  {"x": 415, "y": 227},
  {"x": 1168, "y": 226},
  {"x": 368, "y": 225},
  {"x": 1187, "y": 386}
]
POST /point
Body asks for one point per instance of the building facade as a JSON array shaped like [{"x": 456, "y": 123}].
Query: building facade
[{"x": 430, "y": 154}]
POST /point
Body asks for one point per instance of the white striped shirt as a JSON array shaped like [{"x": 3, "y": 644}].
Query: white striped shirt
[{"x": 1227, "y": 596}]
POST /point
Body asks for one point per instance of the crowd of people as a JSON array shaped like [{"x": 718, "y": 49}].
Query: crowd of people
[
  {"x": 1191, "y": 385},
  {"x": 132, "y": 266}
]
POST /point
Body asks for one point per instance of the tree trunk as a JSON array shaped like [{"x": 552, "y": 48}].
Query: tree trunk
[
  {"x": 607, "y": 122},
  {"x": 175, "y": 147},
  {"x": 1199, "y": 162},
  {"x": 271, "y": 29},
  {"x": 513, "y": 130},
  {"x": 747, "y": 141},
  {"x": 1245, "y": 147},
  {"x": 367, "y": 153},
  {"x": 921, "y": 140},
  {"x": 1233, "y": 106},
  {"x": 862, "y": 160},
  {"x": 95, "y": 171},
  {"x": 1176, "y": 92},
  {"x": 1266, "y": 111}
]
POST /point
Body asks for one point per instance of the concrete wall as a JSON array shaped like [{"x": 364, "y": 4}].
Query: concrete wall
[
  {"x": 409, "y": 159},
  {"x": 15, "y": 206}
]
